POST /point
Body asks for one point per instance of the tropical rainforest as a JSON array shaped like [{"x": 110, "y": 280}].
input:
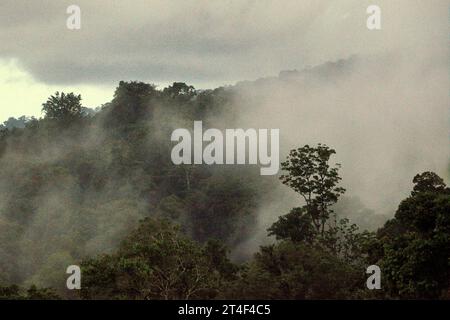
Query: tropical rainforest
[{"x": 97, "y": 188}]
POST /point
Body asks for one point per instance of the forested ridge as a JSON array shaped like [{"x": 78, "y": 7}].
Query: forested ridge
[{"x": 97, "y": 188}]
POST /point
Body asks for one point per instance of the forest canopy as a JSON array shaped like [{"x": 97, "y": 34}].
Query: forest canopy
[{"x": 97, "y": 188}]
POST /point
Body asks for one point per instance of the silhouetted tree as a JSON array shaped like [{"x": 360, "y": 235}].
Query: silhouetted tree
[
  {"x": 310, "y": 175},
  {"x": 63, "y": 107},
  {"x": 414, "y": 247}
]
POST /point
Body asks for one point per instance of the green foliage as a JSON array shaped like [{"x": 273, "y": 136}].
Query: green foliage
[
  {"x": 296, "y": 226},
  {"x": 179, "y": 89},
  {"x": 290, "y": 270},
  {"x": 157, "y": 262},
  {"x": 319, "y": 257},
  {"x": 19, "y": 123},
  {"x": 414, "y": 247},
  {"x": 75, "y": 184},
  {"x": 427, "y": 181},
  {"x": 132, "y": 103},
  {"x": 63, "y": 107},
  {"x": 33, "y": 293},
  {"x": 310, "y": 175},
  {"x": 346, "y": 242},
  {"x": 340, "y": 238}
]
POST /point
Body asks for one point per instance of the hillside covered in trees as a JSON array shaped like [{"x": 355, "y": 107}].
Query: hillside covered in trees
[{"x": 98, "y": 189}]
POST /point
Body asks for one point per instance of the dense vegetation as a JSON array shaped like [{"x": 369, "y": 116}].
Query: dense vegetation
[{"x": 97, "y": 188}]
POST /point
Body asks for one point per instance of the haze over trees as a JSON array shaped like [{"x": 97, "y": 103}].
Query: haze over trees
[{"x": 98, "y": 189}]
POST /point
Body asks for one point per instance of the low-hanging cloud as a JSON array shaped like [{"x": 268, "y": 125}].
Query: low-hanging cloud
[{"x": 206, "y": 42}]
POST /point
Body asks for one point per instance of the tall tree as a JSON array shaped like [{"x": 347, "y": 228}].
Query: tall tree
[
  {"x": 414, "y": 247},
  {"x": 310, "y": 174},
  {"x": 63, "y": 107}
]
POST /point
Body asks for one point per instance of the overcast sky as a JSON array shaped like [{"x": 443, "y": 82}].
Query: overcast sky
[{"x": 204, "y": 43}]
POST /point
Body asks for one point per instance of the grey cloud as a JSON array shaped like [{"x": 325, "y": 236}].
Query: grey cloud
[{"x": 200, "y": 41}]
